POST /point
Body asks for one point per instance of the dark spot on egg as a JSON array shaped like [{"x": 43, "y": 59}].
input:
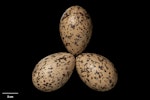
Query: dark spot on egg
[
  {"x": 64, "y": 75},
  {"x": 87, "y": 79},
  {"x": 101, "y": 67},
  {"x": 72, "y": 26}
]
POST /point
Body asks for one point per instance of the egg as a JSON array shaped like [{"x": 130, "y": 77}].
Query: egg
[
  {"x": 75, "y": 29},
  {"x": 53, "y": 71},
  {"x": 96, "y": 71}
]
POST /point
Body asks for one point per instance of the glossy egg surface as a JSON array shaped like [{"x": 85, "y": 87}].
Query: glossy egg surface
[
  {"x": 53, "y": 71},
  {"x": 96, "y": 71},
  {"x": 75, "y": 29}
]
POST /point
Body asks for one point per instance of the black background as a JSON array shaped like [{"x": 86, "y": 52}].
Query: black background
[{"x": 30, "y": 31}]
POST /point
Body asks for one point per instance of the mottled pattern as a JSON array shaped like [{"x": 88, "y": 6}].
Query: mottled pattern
[
  {"x": 53, "y": 71},
  {"x": 96, "y": 71},
  {"x": 75, "y": 29}
]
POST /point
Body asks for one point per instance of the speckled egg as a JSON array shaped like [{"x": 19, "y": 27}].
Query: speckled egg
[
  {"x": 96, "y": 71},
  {"x": 75, "y": 29},
  {"x": 53, "y": 71}
]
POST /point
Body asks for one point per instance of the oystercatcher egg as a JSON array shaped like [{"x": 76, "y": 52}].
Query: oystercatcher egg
[
  {"x": 75, "y": 29},
  {"x": 53, "y": 71},
  {"x": 96, "y": 71}
]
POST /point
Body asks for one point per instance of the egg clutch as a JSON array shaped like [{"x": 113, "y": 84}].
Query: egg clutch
[{"x": 96, "y": 71}]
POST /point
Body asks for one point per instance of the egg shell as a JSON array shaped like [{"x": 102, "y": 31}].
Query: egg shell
[
  {"x": 75, "y": 29},
  {"x": 96, "y": 71},
  {"x": 53, "y": 71}
]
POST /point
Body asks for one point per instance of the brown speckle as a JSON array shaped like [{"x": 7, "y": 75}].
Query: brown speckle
[{"x": 96, "y": 74}]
